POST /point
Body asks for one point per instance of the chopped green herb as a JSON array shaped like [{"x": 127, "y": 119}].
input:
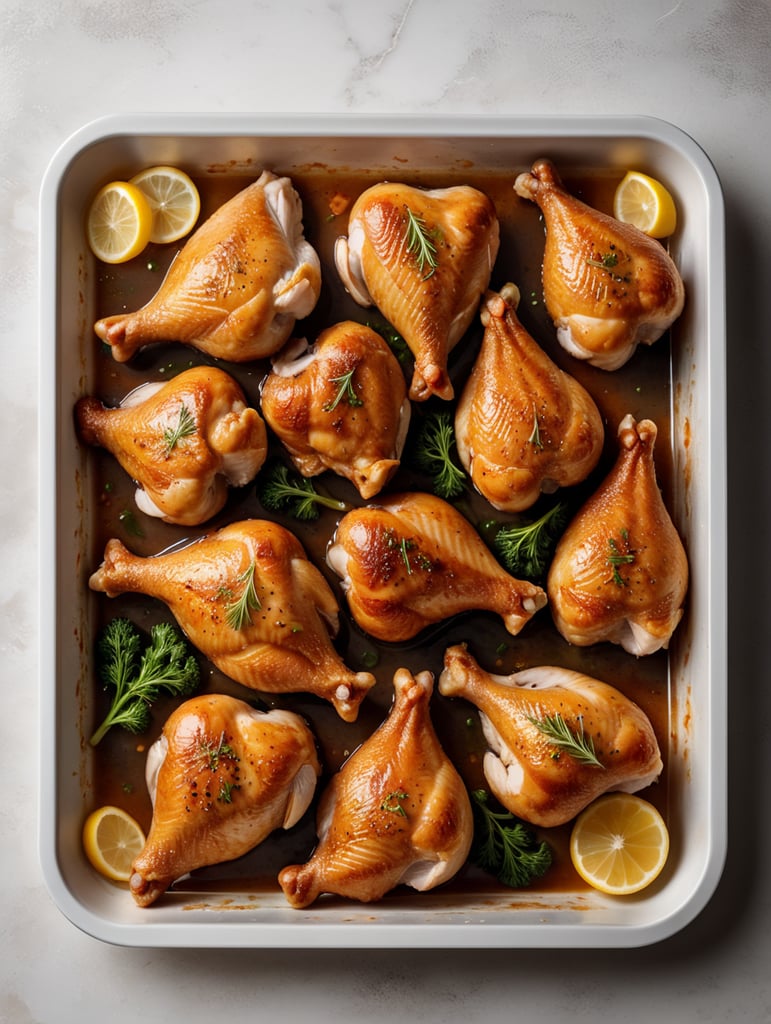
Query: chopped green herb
[
  {"x": 129, "y": 521},
  {"x": 535, "y": 436},
  {"x": 619, "y": 557},
  {"x": 392, "y": 803}
]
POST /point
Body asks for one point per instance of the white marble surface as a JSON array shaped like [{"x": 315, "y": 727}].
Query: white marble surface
[{"x": 702, "y": 64}]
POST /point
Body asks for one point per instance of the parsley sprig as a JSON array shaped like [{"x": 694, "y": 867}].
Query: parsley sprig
[{"x": 505, "y": 846}]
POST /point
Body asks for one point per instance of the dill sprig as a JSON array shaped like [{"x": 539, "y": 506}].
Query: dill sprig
[
  {"x": 505, "y": 846},
  {"x": 574, "y": 742}
]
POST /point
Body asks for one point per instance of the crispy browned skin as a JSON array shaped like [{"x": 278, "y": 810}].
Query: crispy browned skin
[
  {"x": 413, "y": 560},
  {"x": 222, "y": 777},
  {"x": 284, "y": 644},
  {"x": 522, "y": 426},
  {"x": 396, "y": 813},
  {"x": 535, "y": 779},
  {"x": 607, "y": 285},
  {"x": 620, "y": 571},
  {"x": 236, "y": 287},
  {"x": 430, "y": 307},
  {"x": 357, "y": 434},
  {"x": 184, "y": 478}
]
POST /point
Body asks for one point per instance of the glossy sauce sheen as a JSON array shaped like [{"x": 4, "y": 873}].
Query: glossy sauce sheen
[{"x": 640, "y": 387}]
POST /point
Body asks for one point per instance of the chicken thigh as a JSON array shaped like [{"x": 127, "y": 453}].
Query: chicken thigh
[
  {"x": 424, "y": 258},
  {"x": 558, "y": 739},
  {"x": 413, "y": 560},
  {"x": 522, "y": 425},
  {"x": 341, "y": 405},
  {"x": 222, "y": 776},
  {"x": 607, "y": 286},
  {"x": 397, "y": 812},
  {"x": 183, "y": 441},
  {"x": 620, "y": 571},
  {"x": 251, "y": 602},
  {"x": 238, "y": 284}
]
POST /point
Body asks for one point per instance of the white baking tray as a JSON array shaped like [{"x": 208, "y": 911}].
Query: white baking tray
[{"x": 695, "y": 750}]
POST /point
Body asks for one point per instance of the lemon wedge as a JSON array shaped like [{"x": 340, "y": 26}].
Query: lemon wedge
[
  {"x": 619, "y": 844},
  {"x": 644, "y": 202},
  {"x": 111, "y": 840},
  {"x": 119, "y": 222},
  {"x": 174, "y": 200}
]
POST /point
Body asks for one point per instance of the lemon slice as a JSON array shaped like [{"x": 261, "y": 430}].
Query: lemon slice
[
  {"x": 619, "y": 844},
  {"x": 173, "y": 199},
  {"x": 111, "y": 840},
  {"x": 644, "y": 202},
  {"x": 119, "y": 223}
]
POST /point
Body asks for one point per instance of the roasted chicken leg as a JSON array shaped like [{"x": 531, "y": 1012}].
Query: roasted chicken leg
[
  {"x": 424, "y": 258},
  {"x": 607, "y": 286},
  {"x": 341, "y": 405},
  {"x": 251, "y": 602},
  {"x": 238, "y": 284},
  {"x": 396, "y": 813},
  {"x": 413, "y": 560},
  {"x": 221, "y": 777},
  {"x": 183, "y": 441},
  {"x": 522, "y": 425},
  {"x": 620, "y": 571},
  {"x": 557, "y": 738}
]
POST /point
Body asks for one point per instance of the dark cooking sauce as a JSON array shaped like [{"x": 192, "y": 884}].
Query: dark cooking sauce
[{"x": 641, "y": 387}]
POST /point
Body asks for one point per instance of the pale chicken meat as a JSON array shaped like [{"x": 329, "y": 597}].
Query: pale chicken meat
[
  {"x": 222, "y": 777},
  {"x": 237, "y": 286},
  {"x": 184, "y": 441},
  {"x": 424, "y": 258},
  {"x": 557, "y": 738},
  {"x": 340, "y": 404},
  {"x": 397, "y": 812},
  {"x": 607, "y": 286},
  {"x": 250, "y": 600},
  {"x": 413, "y": 560},
  {"x": 620, "y": 571},
  {"x": 523, "y": 426}
]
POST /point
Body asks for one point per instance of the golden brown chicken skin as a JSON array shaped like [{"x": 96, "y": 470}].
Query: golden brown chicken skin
[
  {"x": 607, "y": 286},
  {"x": 340, "y": 405},
  {"x": 183, "y": 441},
  {"x": 222, "y": 777},
  {"x": 620, "y": 571},
  {"x": 251, "y": 601},
  {"x": 424, "y": 258},
  {"x": 237, "y": 285},
  {"x": 522, "y": 425},
  {"x": 537, "y": 778},
  {"x": 413, "y": 560},
  {"x": 396, "y": 813}
]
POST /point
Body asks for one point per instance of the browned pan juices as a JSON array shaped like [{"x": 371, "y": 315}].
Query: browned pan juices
[{"x": 641, "y": 387}]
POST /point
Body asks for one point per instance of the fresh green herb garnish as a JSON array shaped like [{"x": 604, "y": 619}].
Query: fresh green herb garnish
[
  {"x": 574, "y": 741},
  {"x": 281, "y": 490},
  {"x": 420, "y": 244},
  {"x": 505, "y": 846},
  {"x": 345, "y": 391},
  {"x": 618, "y": 557},
  {"x": 392, "y": 803},
  {"x": 225, "y": 795},
  {"x": 185, "y": 426},
  {"x": 525, "y": 550},
  {"x": 239, "y": 611},
  {"x": 138, "y": 676},
  {"x": 535, "y": 436},
  {"x": 605, "y": 262},
  {"x": 393, "y": 339},
  {"x": 211, "y": 753},
  {"x": 129, "y": 521},
  {"x": 435, "y": 453}
]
